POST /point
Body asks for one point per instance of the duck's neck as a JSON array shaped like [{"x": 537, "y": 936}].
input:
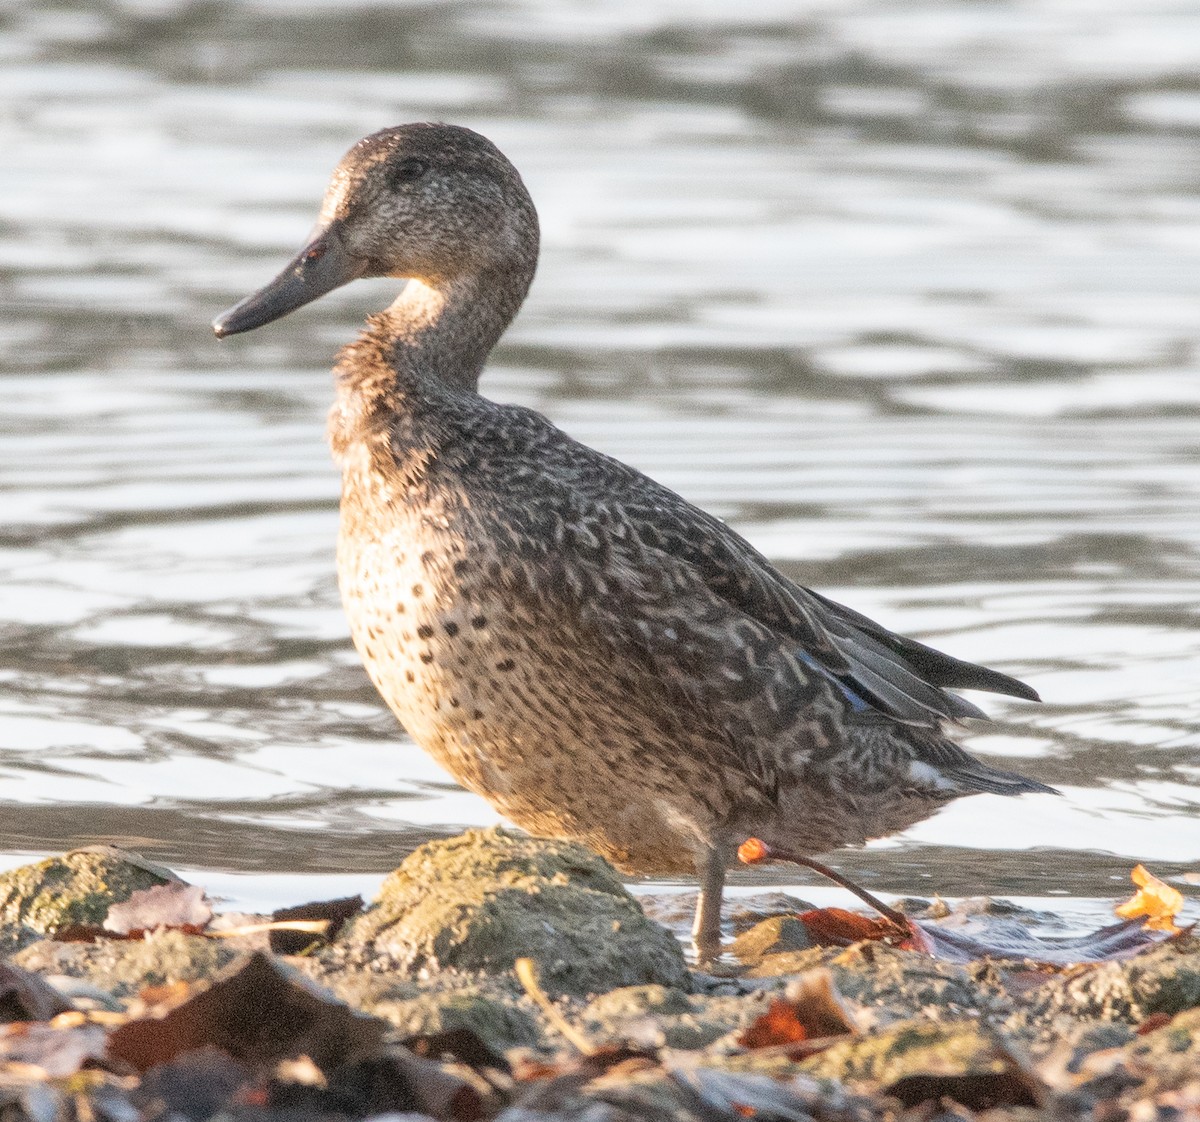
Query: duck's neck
[
  {"x": 434, "y": 333},
  {"x": 434, "y": 337}
]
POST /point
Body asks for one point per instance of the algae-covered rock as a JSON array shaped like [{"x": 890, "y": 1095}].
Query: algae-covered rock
[
  {"x": 122, "y": 968},
  {"x": 482, "y": 900},
  {"x": 78, "y": 887},
  {"x": 896, "y": 984},
  {"x": 775, "y": 935},
  {"x": 1165, "y": 979},
  {"x": 1129, "y": 1070},
  {"x": 905, "y": 982},
  {"x": 495, "y": 1008},
  {"x": 654, "y": 1016},
  {"x": 1168, "y": 1057},
  {"x": 909, "y": 1049},
  {"x": 495, "y": 1018}
]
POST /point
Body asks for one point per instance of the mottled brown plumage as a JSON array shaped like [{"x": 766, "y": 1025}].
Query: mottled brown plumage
[{"x": 574, "y": 642}]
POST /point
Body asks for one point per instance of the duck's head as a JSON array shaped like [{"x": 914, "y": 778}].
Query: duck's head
[{"x": 429, "y": 202}]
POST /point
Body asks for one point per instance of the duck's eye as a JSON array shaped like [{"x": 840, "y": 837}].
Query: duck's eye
[{"x": 407, "y": 171}]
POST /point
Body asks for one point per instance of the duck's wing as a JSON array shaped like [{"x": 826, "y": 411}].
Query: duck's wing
[
  {"x": 653, "y": 566},
  {"x": 874, "y": 667}
]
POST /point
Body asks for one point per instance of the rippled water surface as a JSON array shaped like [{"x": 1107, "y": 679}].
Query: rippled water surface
[{"x": 908, "y": 293}]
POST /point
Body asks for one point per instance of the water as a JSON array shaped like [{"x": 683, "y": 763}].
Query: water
[{"x": 908, "y": 293}]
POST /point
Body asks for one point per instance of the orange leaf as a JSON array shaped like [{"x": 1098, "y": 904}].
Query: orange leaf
[
  {"x": 1156, "y": 900},
  {"x": 778, "y": 1025},
  {"x": 812, "y": 1010}
]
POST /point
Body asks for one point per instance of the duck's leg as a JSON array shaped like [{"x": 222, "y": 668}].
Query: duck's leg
[{"x": 706, "y": 931}]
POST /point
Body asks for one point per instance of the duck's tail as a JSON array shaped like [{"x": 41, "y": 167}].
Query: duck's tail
[{"x": 946, "y": 767}]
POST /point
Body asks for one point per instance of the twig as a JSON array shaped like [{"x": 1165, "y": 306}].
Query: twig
[
  {"x": 526, "y": 973},
  {"x": 315, "y": 926}
]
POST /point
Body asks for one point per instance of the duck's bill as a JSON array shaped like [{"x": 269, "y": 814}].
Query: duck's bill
[{"x": 320, "y": 267}]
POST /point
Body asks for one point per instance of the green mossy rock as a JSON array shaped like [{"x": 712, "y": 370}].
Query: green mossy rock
[
  {"x": 78, "y": 887},
  {"x": 480, "y": 901},
  {"x": 1169, "y": 1057},
  {"x": 1165, "y": 979},
  {"x": 123, "y": 968},
  {"x": 497, "y": 1019},
  {"x": 910, "y": 1048},
  {"x": 775, "y": 935},
  {"x": 655, "y": 1016}
]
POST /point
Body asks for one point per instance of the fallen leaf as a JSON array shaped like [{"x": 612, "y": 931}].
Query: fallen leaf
[
  {"x": 80, "y": 933},
  {"x": 460, "y": 1045},
  {"x": 1155, "y": 899},
  {"x": 978, "y": 1090},
  {"x": 836, "y": 927},
  {"x": 256, "y": 1013},
  {"x": 778, "y": 1025},
  {"x": 1154, "y": 1022},
  {"x": 176, "y": 905},
  {"x": 811, "y": 1009},
  {"x": 165, "y": 996}
]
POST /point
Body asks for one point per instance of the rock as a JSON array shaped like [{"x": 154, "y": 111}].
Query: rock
[
  {"x": 1131, "y": 1072},
  {"x": 1168, "y": 1057},
  {"x": 893, "y": 984},
  {"x": 1165, "y": 979},
  {"x": 482, "y": 900},
  {"x": 911, "y": 1048},
  {"x": 655, "y": 1016},
  {"x": 905, "y": 982},
  {"x": 776, "y": 935},
  {"x": 122, "y": 968},
  {"x": 502, "y": 1023},
  {"x": 78, "y": 887},
  {"x": 743, "y": 912},
  {"x": 496, "y": 1009}
]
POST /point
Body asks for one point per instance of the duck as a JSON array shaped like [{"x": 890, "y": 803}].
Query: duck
[{"x": 595, "y": 656}]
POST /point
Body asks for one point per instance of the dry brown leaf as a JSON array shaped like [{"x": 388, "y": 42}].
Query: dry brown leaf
[
  {"x": 1155, "y": 899},
  {"x": 259, "y": 1015}
]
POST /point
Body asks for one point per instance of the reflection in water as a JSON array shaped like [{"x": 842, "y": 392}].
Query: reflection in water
[{"x": 908, "y": 296}]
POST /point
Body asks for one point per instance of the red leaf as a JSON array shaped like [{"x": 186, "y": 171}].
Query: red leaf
[
  {"x": 836, "y": 927},
  {"x": 256, "y": 1013},
  {"x": 1154, "y": 1022}
]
